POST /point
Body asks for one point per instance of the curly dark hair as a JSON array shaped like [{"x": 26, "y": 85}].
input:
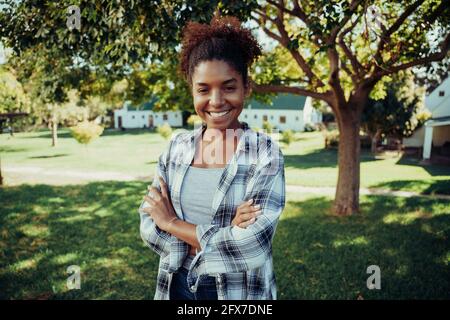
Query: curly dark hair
[{"x": 223, "y": 39}]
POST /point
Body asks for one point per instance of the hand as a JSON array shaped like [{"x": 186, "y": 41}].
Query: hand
[
  {"x": 246, "y": 214},
  {"x": 160, "y": 209}
]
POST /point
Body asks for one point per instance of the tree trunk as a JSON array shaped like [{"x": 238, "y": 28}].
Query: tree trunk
[
  {"x": 54, "y": 133},
  {"x": 347, "y": 190},
  {"x": 375, "y": 140},
  {"x": 1, "y": 177}
]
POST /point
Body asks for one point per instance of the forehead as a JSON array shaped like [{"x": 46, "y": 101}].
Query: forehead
[{"x": 214, "y": 71}]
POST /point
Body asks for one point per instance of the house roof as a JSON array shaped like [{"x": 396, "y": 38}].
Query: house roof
[
  {"x": 283, "y": 101},
  {"x": 144, "y": 106}
]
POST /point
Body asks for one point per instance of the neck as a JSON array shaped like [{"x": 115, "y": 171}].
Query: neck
[{"x": 223, "y": 132}]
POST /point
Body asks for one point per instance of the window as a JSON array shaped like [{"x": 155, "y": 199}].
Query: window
[
  {"x": 265, "y": 118},
  {"x": 132, "y": 117},
  {"x": 441, "y": 93},
  {"x": 256, "y": 117},
  {"x": 143, "y": 117},
  {"x": 282, "y": 119},
  {"x": 296, "y": 118},
  {"x": 271, "y": 117},
  {"x": 164, "y": 116},
  {"x": 176, "y": 115}
]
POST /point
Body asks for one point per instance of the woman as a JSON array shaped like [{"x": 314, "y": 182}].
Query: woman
[{"x": 218, "y": 192}]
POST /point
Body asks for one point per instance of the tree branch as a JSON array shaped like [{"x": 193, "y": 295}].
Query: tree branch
[
  {"x": 439, "y": 10},
  {"x": 333, "y": 34},
  {"x": 334, "y": 80},
  {"x": 444, "y": 46},
  {"x": 270, "y": 88},
  {"x": 285, "y": 41},
  {"x": 386, "y": 35},
  {"x": 271, "y": 34},
  {"x": 298, "y": 13},
  {"x": 356, "y": 65}
]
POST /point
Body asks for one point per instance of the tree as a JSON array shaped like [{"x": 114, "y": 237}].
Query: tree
[
  {"x": 344, "y": 49},
  {"x": 396, "y": 114},
  {"x": 362, "y": 42},
  {"x": 12, "y": 95}
]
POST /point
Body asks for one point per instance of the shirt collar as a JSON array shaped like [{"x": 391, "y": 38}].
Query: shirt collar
[{"x": 246, "y": 141}]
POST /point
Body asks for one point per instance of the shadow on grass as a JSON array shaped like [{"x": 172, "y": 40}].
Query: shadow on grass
[
  {"x": 319, "y": 158},
  {"x": 51, "y": 156},
  {"x": 433, "y": 170},
  {"x": 320, "y": 256},
  {"x": 44, "y": 229},
  {"x": 8, "y": 149},
  {"x": 421, "y": 186}
]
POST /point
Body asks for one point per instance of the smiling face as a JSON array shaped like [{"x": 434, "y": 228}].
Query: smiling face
[{"x": 218, "y": 92}]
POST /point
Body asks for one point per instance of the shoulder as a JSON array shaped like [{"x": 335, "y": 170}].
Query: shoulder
[
  {"x": 264, "y": 151},
  {"x": 173, "y": 146}
]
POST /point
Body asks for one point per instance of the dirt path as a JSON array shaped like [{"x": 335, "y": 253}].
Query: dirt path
[{"x": 37, "y": 175}]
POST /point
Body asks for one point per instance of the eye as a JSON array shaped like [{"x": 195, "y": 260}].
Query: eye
[
  {"x": 202, "y": 90},
  {"x": 230, "y": 88}
]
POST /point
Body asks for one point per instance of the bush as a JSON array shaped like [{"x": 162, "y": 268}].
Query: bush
[
  {"x": 193, "y": 120},
  {"x": 309, "y": 127},
  {"x": 332, "y": 140},
  {"x": 288, "y": 136},
  {"x": 268, "y": 128},
  {"x": 422, "y": 117},
  {"x": 165, "y": 131},
  {"x": 84, "y": 132}
]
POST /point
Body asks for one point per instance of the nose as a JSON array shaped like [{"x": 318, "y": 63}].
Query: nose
[{"x": 216, "y": 99}]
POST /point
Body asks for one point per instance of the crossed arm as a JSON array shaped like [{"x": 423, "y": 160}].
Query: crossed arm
[
  {"x": 164, "y": 216},
  {"x": 246, "y": 243}
]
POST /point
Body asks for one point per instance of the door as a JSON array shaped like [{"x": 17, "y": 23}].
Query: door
[{"x": 150, "y": 121}]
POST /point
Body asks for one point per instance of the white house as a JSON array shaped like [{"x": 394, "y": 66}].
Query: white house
[
  {"x": 436, "y": 131},
  {"x": 288, "y": 111},
  {"x": 144, "y": 117}
]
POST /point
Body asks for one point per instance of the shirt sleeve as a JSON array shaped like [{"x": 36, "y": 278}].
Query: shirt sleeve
[
  {"x": 234, "y": 249},
  {"x": 155, "y": 238}
]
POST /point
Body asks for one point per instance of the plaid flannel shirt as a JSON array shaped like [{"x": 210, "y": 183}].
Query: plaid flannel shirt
[{"x": 240, "y": 259}]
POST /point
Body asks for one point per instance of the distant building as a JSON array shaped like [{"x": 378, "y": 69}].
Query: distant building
[
  {"x": 436, "y": 131},
  {"x": 288, "y": 111},
  {"x": 144, "y": 117}
]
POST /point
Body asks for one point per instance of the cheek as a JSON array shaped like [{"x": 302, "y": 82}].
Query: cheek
[{"x": 199, "y": 103}]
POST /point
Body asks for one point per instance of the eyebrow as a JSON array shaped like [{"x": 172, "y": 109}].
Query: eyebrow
[{"x": 225, "y": 82}]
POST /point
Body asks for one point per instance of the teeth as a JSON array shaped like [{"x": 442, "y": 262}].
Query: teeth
[{"x": 218, "y": 114}]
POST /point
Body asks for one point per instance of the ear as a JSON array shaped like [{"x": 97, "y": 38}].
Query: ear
[{"x": 247, "y": 89}]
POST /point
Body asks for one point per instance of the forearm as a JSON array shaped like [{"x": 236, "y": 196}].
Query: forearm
[{"x": 184, "y": 231}]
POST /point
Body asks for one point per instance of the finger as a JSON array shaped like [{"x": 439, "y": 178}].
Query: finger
[
  {"x": 149, "y": 200},
  {"x": 154, "y": 193},
  {"x": 246, "y": 203},
  {"x": 247, "y": 223},
  {"x": 248, "y": 216},
  {"x": 248, "y": 210},
  {"x": 148, "y": 210},
  {"x": 163, "y": 185}
]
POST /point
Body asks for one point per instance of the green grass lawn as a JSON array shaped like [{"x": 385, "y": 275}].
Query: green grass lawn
[
  {"x": 44, "y": 229},
  {"x": 135, "y": 152}
]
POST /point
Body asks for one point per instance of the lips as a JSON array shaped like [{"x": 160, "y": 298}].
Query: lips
[{"x": 216, "y": 115}]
